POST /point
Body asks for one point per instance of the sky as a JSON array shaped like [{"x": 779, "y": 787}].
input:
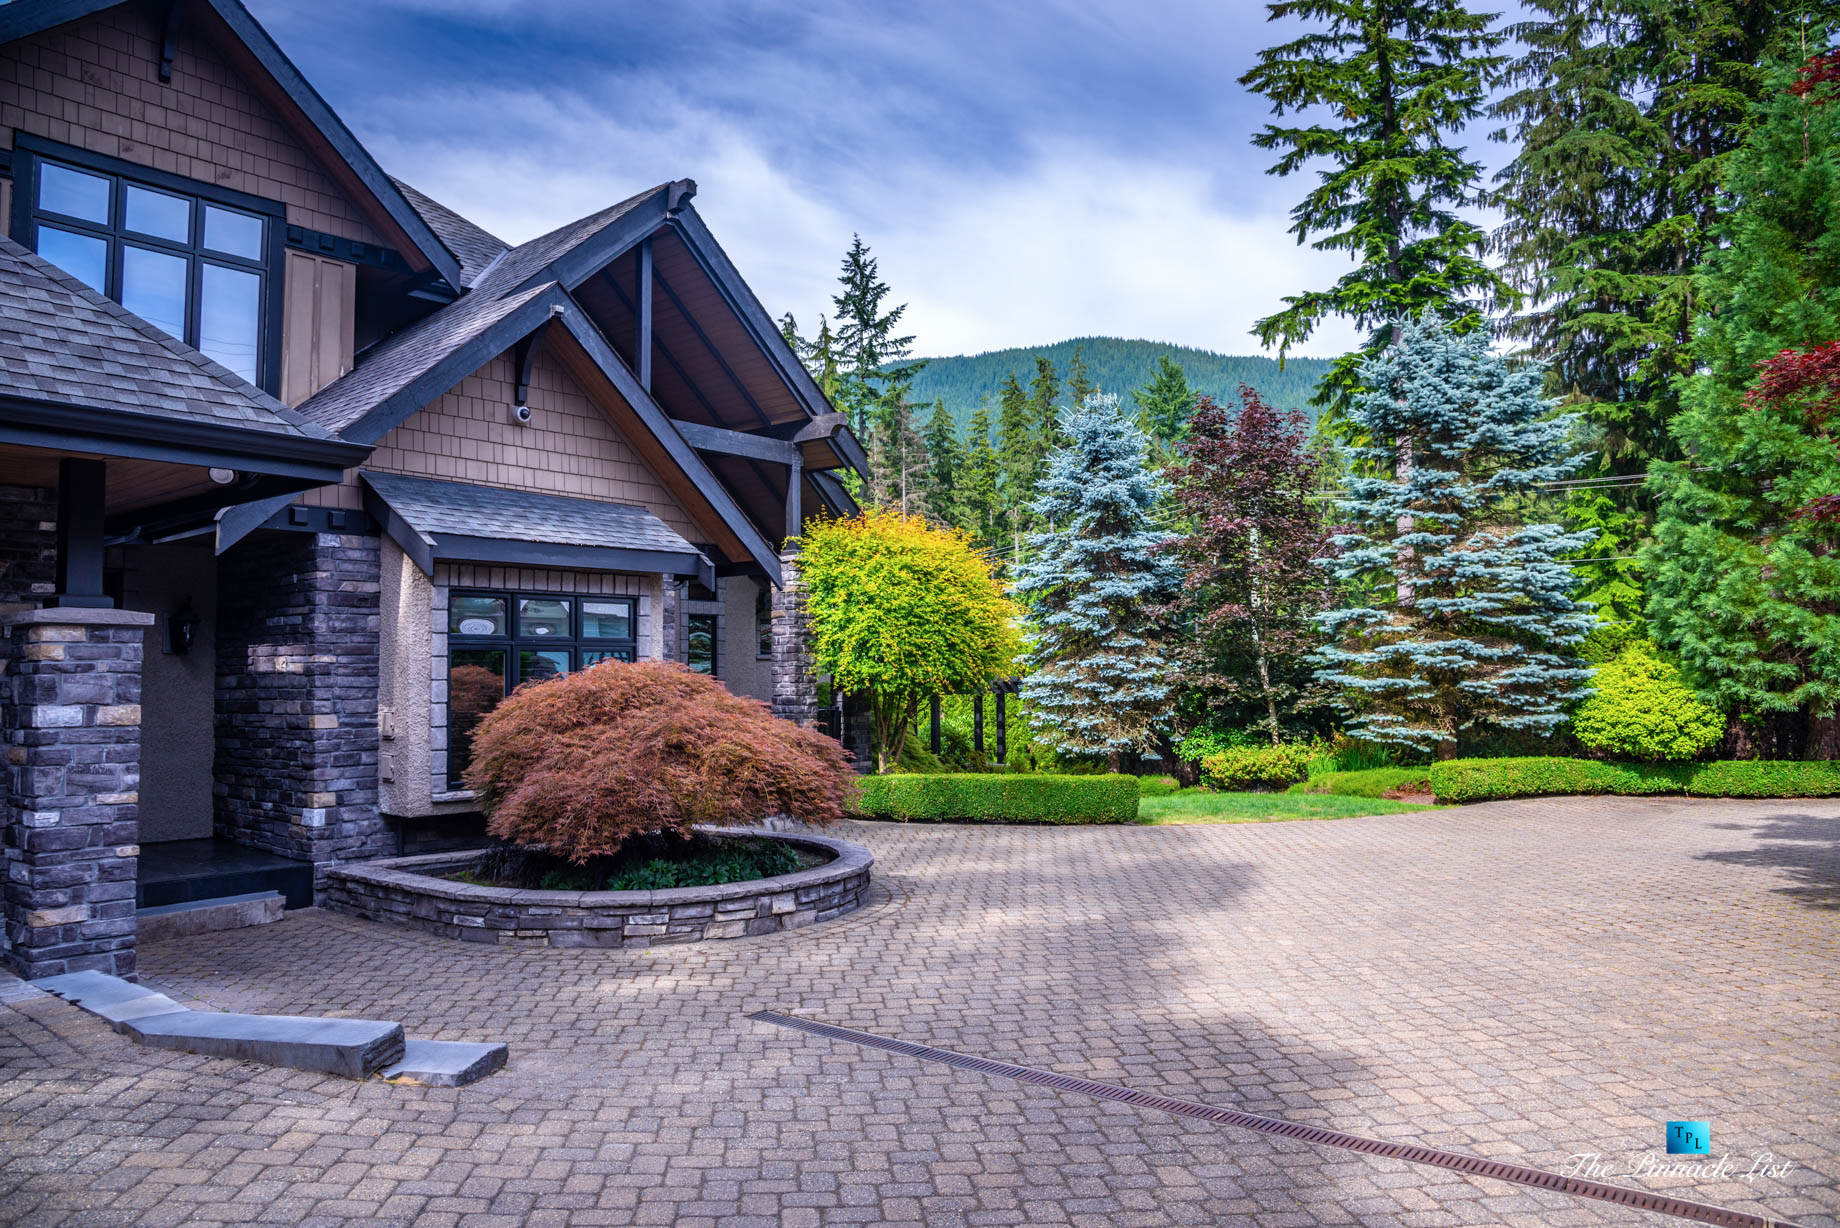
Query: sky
[{"x": 1023, "y": 172}]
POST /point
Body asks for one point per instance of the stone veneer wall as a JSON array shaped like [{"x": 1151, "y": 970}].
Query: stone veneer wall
[
  {"x": 28, "y": 543},
  {"x": 411, "y": 891},
  {"x": 70, "y": 692},
  {"x": 795, "y": 686},
  {"x": 297, "y": 680}
]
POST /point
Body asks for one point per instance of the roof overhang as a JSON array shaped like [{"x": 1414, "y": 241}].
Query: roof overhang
[
  {"x": 427, "y": 542},
  {"x": 97, "y": 431}
]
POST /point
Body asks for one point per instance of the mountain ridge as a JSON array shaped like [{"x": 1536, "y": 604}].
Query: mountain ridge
[{"x": 1114, "y": 364}]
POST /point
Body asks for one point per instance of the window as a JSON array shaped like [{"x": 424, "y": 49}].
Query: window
[
  {"x": 700, "y": 644},
  {"x": 763, "y": 621},
  {"x": 197, "y": 261},
  {"x": 496, "y": 641}
]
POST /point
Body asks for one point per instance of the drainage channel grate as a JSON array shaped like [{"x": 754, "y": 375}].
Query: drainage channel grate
[{"x": 1473, "y": 1166}]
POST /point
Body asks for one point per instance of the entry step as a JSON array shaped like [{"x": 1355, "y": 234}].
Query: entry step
[
  {"x": 445, "y": 1063},
  {"x": 225, "y": 912}
]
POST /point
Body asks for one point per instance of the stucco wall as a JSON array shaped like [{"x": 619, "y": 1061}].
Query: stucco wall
[
  {"x": 177, "y": 692},
  {"x": 95, "y": 84},
  {"x": 742, "y": 671}
]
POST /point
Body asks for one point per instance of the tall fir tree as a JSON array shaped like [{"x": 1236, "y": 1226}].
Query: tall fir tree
[
  {"x": 1164, "y": 404},
  {"x": 1044, "y": 408},
  {"x": 872, "y": 371},
  {"x": 1079, "y": 380},
  {"x": 1623, "y": 115},
  {"x": 1464, "y": 619},
  {"x": 1745, "y": 568},
  {"x": 980, "y": 503},
  {"x": 818, "y": 355},
  {"x": 946, "y": 462},
  {"x": 1017, "y": 451},
  {"x": 1398, "y": 78},
  {"x": 1246, "y": 484},
  {"x": 1100, "y": 681}
]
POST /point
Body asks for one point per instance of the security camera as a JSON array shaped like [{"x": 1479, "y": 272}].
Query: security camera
[{"x": 520, "y": 415}]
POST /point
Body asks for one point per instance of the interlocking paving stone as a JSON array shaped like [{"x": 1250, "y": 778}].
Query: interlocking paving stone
[{"x": 1526, "y": 981}]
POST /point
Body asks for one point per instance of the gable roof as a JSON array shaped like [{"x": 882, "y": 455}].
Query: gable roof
[
  {"x": 23, "y": 18},
  {"x": 475, "y": 247}
]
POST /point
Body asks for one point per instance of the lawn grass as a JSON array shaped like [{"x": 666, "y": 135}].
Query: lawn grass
[{"x": 1199, "y": 806}]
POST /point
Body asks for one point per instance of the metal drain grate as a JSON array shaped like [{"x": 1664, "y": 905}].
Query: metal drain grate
[{"x": 1474, "y": 1166}]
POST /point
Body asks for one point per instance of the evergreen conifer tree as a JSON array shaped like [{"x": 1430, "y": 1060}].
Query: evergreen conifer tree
[
  {"x": 1745, "y": 569},
  {"x": 979, "y": 501},
  {"x": 1017, "y": 451},
  {"x": 946, "y": 458},
  {"x": 1044, "y": 407},
  {"x": 1079, "y": 380},
  {"x": 1466, "y": 619},
  {"x": 872, "y": 374},
  {"x": 1623, "y": 115},
  {"x": 1101, "y": 682},
  {"x": 1164, "y": 404},
  {"x": 1398, "y": 77}
]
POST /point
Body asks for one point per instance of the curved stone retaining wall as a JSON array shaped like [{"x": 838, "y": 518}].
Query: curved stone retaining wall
[{"x": 411, "y": 891}]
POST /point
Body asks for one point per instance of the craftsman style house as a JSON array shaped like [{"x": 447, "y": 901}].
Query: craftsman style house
[{"x": 301, "y": 471}]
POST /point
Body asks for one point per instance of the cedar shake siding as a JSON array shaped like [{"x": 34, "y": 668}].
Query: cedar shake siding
[
  {"x": 95, "y": 84},
  {"x": 569, "y": 448}
]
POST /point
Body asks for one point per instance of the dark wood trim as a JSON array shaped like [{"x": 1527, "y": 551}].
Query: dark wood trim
[
  {"x": 109, "y": 432},
  {"x": 715, "y": 351},
  {"x": 737, "y": 443},
  {"x": 81, "y": 498},
  {"x": 58, "y": 151},
  {"x": 351, "y": 251},
  {"x": 24, "y": 20},
  {"x": 601, "y": 248},
  {"x": 642, "y": 318}
]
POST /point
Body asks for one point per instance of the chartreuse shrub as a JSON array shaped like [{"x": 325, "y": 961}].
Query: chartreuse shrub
[
  {"x": 973, "y": 797},
  {"x": 1157, "y": 786},
  {"x": 1481, "y": 780},
  {"x": 1640, "y": 709},
  {"x": 1237, "y": 768},
  {"x": 579, "y": 764}
]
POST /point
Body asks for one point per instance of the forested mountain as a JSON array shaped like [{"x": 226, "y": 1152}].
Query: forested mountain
[{"x": 1114, "y": 365}]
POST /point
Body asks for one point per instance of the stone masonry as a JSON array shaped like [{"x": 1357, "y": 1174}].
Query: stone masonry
[
  {"x": 70, "y": 718},
  {"x": 795, "y": 689},
  {"x": 297, "y": 678},
  {"x": 28, "y": 546}
]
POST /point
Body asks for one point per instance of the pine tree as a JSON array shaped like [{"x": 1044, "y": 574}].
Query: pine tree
[
  {"x": 1399, "y": 77},
  {"x": 1079, "y": 382},
  {"x": 1100, "y": 681},
  {"x": 872, "y": 374},
  {"x": 947, "y": 460},
  {"x": 979, "y": 501},
  {"x": 1246, "y": 485},
  {"x": 1044, "y": 408},
  {"x": 1623, "y": 119},
  {"x": 1745, "y": 569},
  {"x": 1163, "y": 405},
  {"x": 1468, "y": 619},
  {"x": 898, "y": 461},
  {"x": 1017, "y": 451},
  {"x": 819, "y": 355}
]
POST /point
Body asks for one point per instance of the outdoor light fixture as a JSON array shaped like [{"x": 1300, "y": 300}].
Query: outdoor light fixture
[
  {"x": 223, "y": 477},
  {"x": 181, "y": 627}
]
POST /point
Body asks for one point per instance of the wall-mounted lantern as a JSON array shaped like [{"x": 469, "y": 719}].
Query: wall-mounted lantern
[{"x": 181, "y": 628}]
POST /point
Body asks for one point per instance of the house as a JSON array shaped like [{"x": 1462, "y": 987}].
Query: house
[{"x": 301, "y": 471}]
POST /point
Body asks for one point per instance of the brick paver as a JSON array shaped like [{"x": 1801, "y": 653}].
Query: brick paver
[{"x": 1524, "y": 980}]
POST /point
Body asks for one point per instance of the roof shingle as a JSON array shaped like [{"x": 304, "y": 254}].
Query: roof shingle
[{"x": 431, "y": 506}]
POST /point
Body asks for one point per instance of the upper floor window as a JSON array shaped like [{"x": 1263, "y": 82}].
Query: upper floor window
[{"x": 196, "y": 261}]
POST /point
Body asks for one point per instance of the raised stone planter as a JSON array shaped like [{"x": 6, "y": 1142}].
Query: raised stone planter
[{"x": 412, "y": 891}]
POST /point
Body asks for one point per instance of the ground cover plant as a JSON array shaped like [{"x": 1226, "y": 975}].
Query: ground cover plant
[
  {"x": 580, "y": 764},
  {"x": 644, "y": 863}
]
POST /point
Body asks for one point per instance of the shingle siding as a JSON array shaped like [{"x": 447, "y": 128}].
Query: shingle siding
[{"x": 95, "y": 84}]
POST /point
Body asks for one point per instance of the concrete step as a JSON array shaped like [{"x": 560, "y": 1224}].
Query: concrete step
[
  {"x": 112, "y": 998},
  {"x": 354, "y": 1048},
  {"x": 445, "y": 1063},
  {"x": 225, "y": 912}
]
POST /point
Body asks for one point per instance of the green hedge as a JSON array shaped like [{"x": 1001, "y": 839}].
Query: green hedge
[
  {"x": 1371, "y": 782},
  {"x": 1482, "y": 780},
  {"x": 969, "y": 797}
]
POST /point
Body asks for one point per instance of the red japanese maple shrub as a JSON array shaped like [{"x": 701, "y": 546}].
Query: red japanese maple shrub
[{"x": 580, "y": 763}]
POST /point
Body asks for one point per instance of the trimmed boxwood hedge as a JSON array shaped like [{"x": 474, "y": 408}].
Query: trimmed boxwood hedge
[
  {"x": 998, "y": 797},
  {"x": 1482, "y": 780}
]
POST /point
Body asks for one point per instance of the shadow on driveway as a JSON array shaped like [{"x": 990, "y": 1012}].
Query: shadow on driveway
[{"x": 1805, "y": 845}]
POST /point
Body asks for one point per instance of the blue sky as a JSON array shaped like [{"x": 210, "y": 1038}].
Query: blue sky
[{"x": 1024, "y": 172}]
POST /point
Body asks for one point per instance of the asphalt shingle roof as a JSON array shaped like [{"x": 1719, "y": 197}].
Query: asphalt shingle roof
[
  {"x": 397, "y": 362},
  {"x": 432, "y": 506},
  {"x": 474, "y": 246},
  {"x": 63, "y": 343}
]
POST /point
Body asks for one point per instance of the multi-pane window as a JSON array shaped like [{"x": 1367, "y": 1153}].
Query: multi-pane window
[
  {"x": 194, "y": 266},
  {"x": 763, "y": 620},
  {"x": 701, "y": 648},
  {"x": 499, "y": 640}
]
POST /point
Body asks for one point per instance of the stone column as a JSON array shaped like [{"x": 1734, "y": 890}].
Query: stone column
[
  {"x": 298, "y": 648},
  {"x": 70, "y": 722},
  {"x": 795, "y": 685}
]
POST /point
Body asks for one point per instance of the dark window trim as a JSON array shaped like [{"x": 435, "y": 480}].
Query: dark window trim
[
  {"x": 715, "y": 639},
  {"x": 763, "y": 627},
  {"x": 30, "y": 151},
  {"x": 511, "y": 642}
]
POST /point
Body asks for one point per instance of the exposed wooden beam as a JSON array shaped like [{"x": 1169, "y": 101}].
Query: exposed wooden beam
[
  {"x": 795, "y": 496},
  {"x": 737, "y": 443},
  {"x": 80, "y": 502},
  {"x": 642, "y": 341},
  {"x": 714, "y": 353}
]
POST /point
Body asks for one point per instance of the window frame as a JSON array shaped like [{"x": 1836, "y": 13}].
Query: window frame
[
  {"x": 512, "y": 641},
  {"x": 31, "y": 152},
  {"x": 715, "y": 640},
  {"x": 763, "y": 626}
]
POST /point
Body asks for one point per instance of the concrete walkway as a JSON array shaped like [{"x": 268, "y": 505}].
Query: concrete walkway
[{"x": 1529, "y": 981}]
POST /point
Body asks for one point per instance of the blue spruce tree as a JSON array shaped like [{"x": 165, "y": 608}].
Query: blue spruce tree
[
  {"x": 1466, "y": 618},
  {"x": 1100, "y": 683}
]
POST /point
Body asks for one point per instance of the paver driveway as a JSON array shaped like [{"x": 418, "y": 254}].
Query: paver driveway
[{"x": 1527, "y": 981}]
